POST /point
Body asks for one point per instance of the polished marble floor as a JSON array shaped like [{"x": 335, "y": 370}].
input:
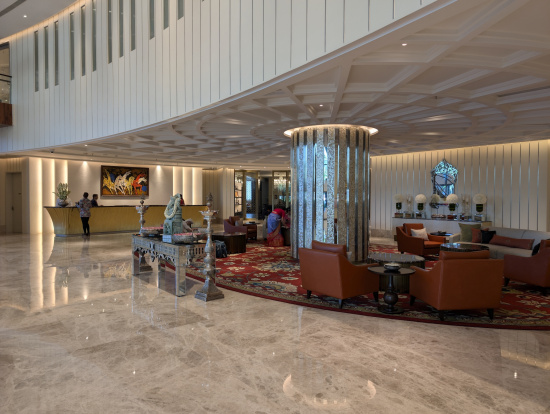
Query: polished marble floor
[{"x": 78, "y": 333}]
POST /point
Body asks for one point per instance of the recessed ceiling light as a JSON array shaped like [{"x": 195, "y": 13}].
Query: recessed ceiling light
[
  {"x": 321, "y": 105},
  {"x": 403, "y": 44},
  {"x": 24, "y": 16},
  {"x": 85, "y": 145}
]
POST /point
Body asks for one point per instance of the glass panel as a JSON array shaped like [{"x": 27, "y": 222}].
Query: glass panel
[
  {"x": 56, "y": 51},
  {"x": 251, "y": 195},
  {"x": 94, "y": 35},
  {"x": 239, "y": 175},
  {"x": 109, "y": 31},
  {"x": 83, "y": 39},
  {"x": 71, "y": 45},
  {"x": 133, "y": 25},
  {"x": 46, "y": 62},
  {"x": 281, "y": 189},
  {"x": 181, "y": 9},
  {"x": 166, "y": 14},
  {"x": 151, "y": 19},
  {"x": 5, "y": 78},
  {"x": 36, "y": 82},
  {"x": 121, "y": 28}
]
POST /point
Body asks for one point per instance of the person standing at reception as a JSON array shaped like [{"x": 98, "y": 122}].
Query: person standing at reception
[
  {"x": 94, "y": 200},
  {"x": 84, "y": 205},
  {"x": 275, "y": 220}
]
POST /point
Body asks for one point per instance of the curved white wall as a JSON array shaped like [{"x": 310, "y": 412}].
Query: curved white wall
[{"x": 218, "y": 49}]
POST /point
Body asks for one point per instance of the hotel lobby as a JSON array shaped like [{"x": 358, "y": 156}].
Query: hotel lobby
[{"x": 200, "y": 93}]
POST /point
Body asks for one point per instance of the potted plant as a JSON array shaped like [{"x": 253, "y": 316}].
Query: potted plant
[
  {"x": 420, "y": 201},
  {"x": 398, "y": 198},
  {"x": 62, "y": 193},
  {"x": 452, "y": 200},
  {"x": 479, "y": 200}
]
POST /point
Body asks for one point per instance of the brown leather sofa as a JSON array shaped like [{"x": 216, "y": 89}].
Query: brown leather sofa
[
  {"x": 326, "y": 270},
  {"x": 230, "y": 227},
  {"x": 460, "y": 280},
  {"x": 534, "y": 270},
  {"x": 416, "y": 245}
]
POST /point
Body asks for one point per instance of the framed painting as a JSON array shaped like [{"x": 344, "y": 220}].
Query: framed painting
[{"x": 124, "y": 181}]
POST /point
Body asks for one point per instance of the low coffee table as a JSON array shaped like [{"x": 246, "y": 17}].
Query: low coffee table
[
  {"x": 235, "y": 242},
  {"x": 462, "y": 247},
  {"x": 390, "y": 295},
  {"x": 400, "y": 282}
]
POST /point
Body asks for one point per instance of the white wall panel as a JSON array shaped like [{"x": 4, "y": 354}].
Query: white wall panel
[
  {"x": 220, "y": 48},
  {"x": 514, "y": 177},
  {"x": 283, "y": 35}
]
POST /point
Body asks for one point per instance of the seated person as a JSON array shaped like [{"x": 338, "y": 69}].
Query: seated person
[
  {"x": 187, "y": 226},
  {"x": 275, "y": 220}
]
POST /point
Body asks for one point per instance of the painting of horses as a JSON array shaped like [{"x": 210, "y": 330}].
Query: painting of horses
[{"x": 124, "y": 181}]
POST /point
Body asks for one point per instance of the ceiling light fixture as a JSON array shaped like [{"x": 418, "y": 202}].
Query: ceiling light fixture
[
  {"x": 403, "y": 44},
  {"x": 321, "y": 105},
  {"x": 24, "y": 16}
]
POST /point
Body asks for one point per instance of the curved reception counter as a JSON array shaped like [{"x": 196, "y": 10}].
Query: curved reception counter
[{"x": 105, "y": 219}]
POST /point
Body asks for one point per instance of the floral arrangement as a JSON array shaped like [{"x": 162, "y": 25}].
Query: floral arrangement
[
  {"x": 452, "y": 199},
  {"x": 420, "y": 198},
  {"x": 480, "y": 199},
  {"x": 435, "y": 199},
  {"x": 62, "y": 191},
  {"x": 398, "y": 198}
]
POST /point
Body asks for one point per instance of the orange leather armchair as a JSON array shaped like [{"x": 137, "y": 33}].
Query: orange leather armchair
[
  {"x": 230, "y": 227},
  {"x": 460, "y": 280},
  {"x": 326, "y": 270},
  {"x": 416, "y": 245},
  {"x": 534, "y": 270}
]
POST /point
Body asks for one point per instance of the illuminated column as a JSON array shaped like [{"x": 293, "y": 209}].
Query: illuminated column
[
  {"x": 177, "y": 180},
  {"x": 197, "y": 186},
  {"x": 187, "y": 184},
  {"x": 48, "y": 197},
  {"x": 330, "y": 186}
]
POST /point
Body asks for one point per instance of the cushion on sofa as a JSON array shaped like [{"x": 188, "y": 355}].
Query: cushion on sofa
[
  {"x": 476, "y": 235},
  {"x": 409, "y": 226},
  {"x": 419, "y": 233},
  {"x": 466, "y": 231},
  {"x": 487, "y": 235},
  {"x": 511, "y": 242}
]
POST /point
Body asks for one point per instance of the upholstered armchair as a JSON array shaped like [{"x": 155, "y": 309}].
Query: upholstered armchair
[
  {"x": 229, "y": 226},
  {"x": 534, "y": 270},
  {"x": 460, "y": 280},
  {"x": 417, "y": 245},
  {"x": 326, "y": 270}
]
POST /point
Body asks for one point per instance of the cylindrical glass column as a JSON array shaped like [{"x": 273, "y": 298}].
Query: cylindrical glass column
[{"x": 330, "y": 187}]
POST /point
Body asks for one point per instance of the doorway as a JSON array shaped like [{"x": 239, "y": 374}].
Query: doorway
[{"x": 14, "y": 203}]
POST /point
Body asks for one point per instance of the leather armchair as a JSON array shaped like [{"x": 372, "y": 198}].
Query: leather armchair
[
  {"x": 251, "y": 229},
  {"x": 416, "y": 245},
  {"x": 534, "y": 270},
  {"x": 326, "y": 270},
  {"x": 460, "y": 280},
  {"x": 230, "y": 227}
]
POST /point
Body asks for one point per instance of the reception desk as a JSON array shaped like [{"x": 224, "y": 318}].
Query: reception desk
[{"x": 66, "y": 220}]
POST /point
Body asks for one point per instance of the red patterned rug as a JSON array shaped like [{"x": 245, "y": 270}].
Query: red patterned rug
[{"x": 271, "y": 273}]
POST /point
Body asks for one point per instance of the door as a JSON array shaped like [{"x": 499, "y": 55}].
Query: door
[{"x": 14, "y": 203}]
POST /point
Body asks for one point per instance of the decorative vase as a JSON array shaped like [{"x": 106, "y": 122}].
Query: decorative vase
[{"x": 62, "y": 203}]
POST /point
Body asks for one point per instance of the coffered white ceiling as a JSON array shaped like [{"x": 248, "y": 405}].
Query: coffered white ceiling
[
  {"x": 476, "y": 78},
  {"x": 17, "y": 15}
]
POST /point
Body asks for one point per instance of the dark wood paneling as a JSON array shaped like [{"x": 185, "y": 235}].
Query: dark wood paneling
[{"x": 5, "y": 115}]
